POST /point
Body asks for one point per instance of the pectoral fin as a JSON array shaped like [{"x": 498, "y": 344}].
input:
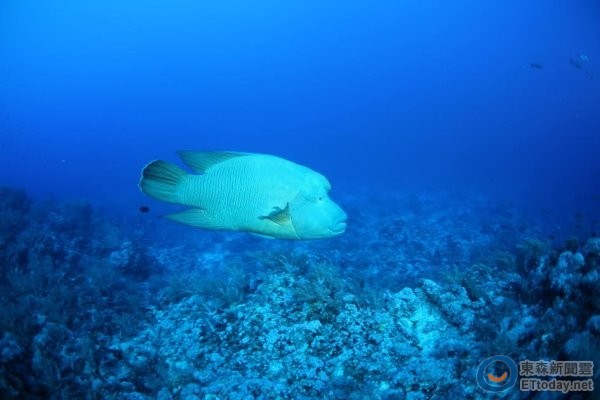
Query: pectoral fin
[{"x": 280, "y": 216}]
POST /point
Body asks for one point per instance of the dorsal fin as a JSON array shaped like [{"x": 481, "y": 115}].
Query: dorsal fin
[
  {"x": 280, "y": 216},
  {"x": 202, "y": 161}
]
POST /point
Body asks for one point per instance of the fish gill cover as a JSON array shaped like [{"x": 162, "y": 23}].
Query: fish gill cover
[{"x": 461, "y": 140}]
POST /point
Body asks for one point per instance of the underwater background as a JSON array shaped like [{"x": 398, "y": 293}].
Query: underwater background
[{"x": 462, "y": 139}]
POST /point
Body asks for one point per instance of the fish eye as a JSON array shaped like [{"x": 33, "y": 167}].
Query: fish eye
[{"x": 320, "y": 198}]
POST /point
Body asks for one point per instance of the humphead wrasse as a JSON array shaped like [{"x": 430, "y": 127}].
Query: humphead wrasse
[{"x": 257, "y": 193}]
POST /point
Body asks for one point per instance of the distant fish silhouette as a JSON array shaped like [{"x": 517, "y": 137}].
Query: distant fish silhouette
[
  {"x": 144, "y": 209},
  {"x": 536, "y": 65},
  {"x": 579, "y": 60}
]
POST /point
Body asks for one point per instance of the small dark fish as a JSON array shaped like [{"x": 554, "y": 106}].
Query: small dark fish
[
  {"x": 144, "y": 209},
  {"x": 536, "y": 65}
]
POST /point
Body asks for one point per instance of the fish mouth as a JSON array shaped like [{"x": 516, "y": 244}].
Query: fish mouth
[{"x": 339, "y": 228}]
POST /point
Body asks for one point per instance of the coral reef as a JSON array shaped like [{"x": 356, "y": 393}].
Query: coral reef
[{"x": 405, "y": 305}]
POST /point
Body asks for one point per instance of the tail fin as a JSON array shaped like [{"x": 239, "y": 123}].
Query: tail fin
[{"x": 159, "y": 180}]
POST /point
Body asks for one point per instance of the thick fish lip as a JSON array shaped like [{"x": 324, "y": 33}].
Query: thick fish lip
[{"x": 339, "y": 228}]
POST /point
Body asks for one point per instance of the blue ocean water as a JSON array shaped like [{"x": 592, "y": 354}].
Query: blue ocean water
[{"x": 461, "y": 138}]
